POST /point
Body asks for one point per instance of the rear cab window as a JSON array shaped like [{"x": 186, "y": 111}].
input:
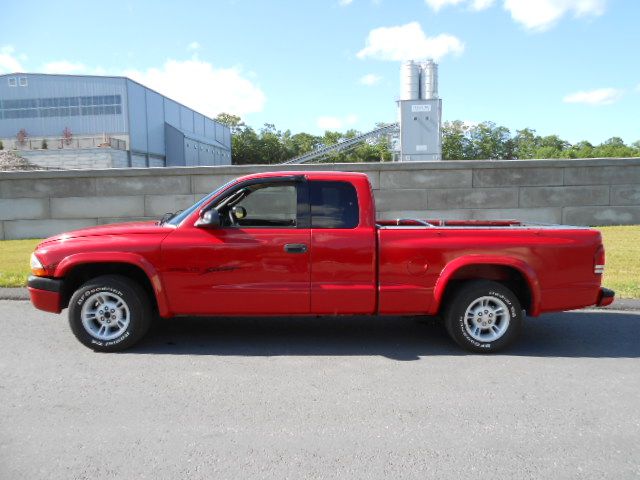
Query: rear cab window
[{"x": 333, "y": 205}]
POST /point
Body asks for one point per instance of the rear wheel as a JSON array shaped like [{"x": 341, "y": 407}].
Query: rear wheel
[
  {"x": 109, "y": 313},
  {"x": 483, "y": 316}
]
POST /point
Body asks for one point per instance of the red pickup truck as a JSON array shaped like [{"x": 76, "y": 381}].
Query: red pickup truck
[{"x": 308, "y": 243}]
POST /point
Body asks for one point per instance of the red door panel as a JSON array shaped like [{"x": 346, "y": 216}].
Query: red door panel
[
  {"x": 236, "y": 271},
  {"x": 343, "y": 278}
]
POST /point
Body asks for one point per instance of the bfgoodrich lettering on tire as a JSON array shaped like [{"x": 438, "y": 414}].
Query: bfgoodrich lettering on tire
[
  {"x": 109, "y": 313},
  {"x": 483, "y": 316}
]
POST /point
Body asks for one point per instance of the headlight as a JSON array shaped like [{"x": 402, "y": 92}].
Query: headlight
[{"x": 36, "y": 266}]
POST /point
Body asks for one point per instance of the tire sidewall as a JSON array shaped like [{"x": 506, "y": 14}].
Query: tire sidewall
[
  {"x": 108, "y": 285},
  {"x": 457, "y": 317}
]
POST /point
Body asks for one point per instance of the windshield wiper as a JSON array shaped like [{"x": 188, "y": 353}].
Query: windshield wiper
[
  {"x": 165, "y": 218},
  {"x": 168, "y": 216}
]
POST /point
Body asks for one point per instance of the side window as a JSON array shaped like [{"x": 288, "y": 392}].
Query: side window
[
  {"x": 333, "y": 205},
  {"x": 272, "y": 205}
]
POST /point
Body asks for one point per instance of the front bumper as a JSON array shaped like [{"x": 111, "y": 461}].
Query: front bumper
[
  {"x": 45, "y": 293},
  {"x": 605, "y": 297}
]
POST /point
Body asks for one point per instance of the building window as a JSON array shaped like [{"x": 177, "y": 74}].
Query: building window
[
  {"x": 60, "y": 106},
  {"x": 22, "y": 81},
  {"x": 12, "y": 81}
]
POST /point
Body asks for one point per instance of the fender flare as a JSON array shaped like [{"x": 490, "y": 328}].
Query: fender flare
[
  {"x": 453, "y": 266},
  {"x": 134, "y": 259}
]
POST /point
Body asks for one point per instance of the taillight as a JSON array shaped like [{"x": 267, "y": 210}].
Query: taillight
[{"x": 598, "y": 261}]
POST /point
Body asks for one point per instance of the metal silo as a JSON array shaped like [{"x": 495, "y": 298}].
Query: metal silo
[
  {"x": 410, "y": 81},
  {"x": 429, "y": 80}
]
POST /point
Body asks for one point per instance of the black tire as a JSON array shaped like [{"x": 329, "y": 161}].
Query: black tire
[
  {"x": 136, "y": 308},
  {"x": 470, "y": 333}
]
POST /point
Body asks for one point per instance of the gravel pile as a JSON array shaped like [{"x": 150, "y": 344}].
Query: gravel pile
[{"x": 9, "y": 161}]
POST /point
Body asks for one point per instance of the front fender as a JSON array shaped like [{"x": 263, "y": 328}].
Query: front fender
[
  {"x": 454, "y": 265},
  {"x": 72, "y": 261}
]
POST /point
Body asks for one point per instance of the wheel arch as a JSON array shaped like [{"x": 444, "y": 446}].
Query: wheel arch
[
  {"x": 512, "y": 272},
  {"x": 79, "y": 268}
]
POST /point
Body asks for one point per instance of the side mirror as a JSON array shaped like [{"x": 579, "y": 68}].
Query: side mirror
[{"x": 210, "y": 219}]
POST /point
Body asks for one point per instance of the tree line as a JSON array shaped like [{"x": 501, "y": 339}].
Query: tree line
[{"x": 460, "y": 141}]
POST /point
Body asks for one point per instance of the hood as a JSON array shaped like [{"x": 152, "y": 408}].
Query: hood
[{"x": 116, "y": 229}]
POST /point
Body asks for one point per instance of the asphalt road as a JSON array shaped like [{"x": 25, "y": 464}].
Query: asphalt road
[{"x": 320, "y": 398}]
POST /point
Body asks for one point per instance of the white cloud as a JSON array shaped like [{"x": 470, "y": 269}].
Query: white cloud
[
  {"x": 370, "y": 79},
  {"x": 438, "y": 4},
  {"x": 536, "y": 15},
  {"x": 194, "y": 46},
  {"x": 406, "y": 42},
  {"x": 344, "y": 3},
  {"x": 543, "y": 14},
  {"x": 336, "y": 123},
  {"x": 600, "y": 96},
  {"x": 203, "y": 87},
  {"x": 9, "y": 63},
  {"x": 476, "y": 5}
]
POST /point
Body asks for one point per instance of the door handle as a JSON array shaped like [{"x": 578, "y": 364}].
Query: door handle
[{"x": 295, "y": 248}]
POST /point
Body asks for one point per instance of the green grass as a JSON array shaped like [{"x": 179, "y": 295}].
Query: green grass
[
  {"x": 14, "y": 261},
  {"x": 622, "y": 273},
  {"x": 622, "y": 250}
]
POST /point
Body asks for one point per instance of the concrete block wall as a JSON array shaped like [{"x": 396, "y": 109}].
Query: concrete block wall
[
  {"x": 84, "y": 158},
  {"x": 579, "y": 192}
]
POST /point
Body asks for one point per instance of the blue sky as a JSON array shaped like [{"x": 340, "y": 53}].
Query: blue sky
[{"x": 569, "y": 67}]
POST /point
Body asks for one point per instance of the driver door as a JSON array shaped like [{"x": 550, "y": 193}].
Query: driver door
[{"x": 258, "y": 264}]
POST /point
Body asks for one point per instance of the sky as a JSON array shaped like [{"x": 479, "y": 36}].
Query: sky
[{"x": 566, "y": 67}]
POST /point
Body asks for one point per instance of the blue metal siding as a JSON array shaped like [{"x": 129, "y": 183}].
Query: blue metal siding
[
  {"x": 137, "y": 116},
  {"x": 186, "y": 119},
  {"x": 41, "y": 87},
  {"x": 190, "y": 152},
  {"x": 171, "y": 112},
  {"x": 155, "y": 122},
  {"x": 220, "y": 133},
  {"x": 209, "y": 128},
  {"x": 175, "y": 146},
  {"x": 198, "y": 123}
]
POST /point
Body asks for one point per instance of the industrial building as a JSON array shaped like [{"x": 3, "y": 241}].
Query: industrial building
[
  {"x": 84, "y": 121},
  {"x": 420, "y": 112},
  {"x": 417, "y": 136}
]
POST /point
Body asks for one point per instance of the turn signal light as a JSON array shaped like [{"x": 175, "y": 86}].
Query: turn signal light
[{"x": 36, "y": 266}]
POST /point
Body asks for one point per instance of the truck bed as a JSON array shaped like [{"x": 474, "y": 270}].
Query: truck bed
[{"x": 414, "y": 257}]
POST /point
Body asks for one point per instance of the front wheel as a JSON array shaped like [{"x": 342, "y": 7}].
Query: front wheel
[
  {"x": 483, "y": 316},
  {"x": 109, "y": 313}
]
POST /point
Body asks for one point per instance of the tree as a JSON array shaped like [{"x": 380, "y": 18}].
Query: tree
[
  {"x": 302, "y": 143},
  {"x": 525, "y": 143},
  {"x": 551, "y": 146},
  {"x": 234, "y": 122},
  {"x": 456, "y": 144},
  {"x": 491, "y": 141},
  {"x": 614, "y": 147},
  {"x": 460, "y": 141}
]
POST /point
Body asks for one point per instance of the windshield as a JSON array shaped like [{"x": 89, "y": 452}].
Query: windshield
[{"x": 180, "y": 216}]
